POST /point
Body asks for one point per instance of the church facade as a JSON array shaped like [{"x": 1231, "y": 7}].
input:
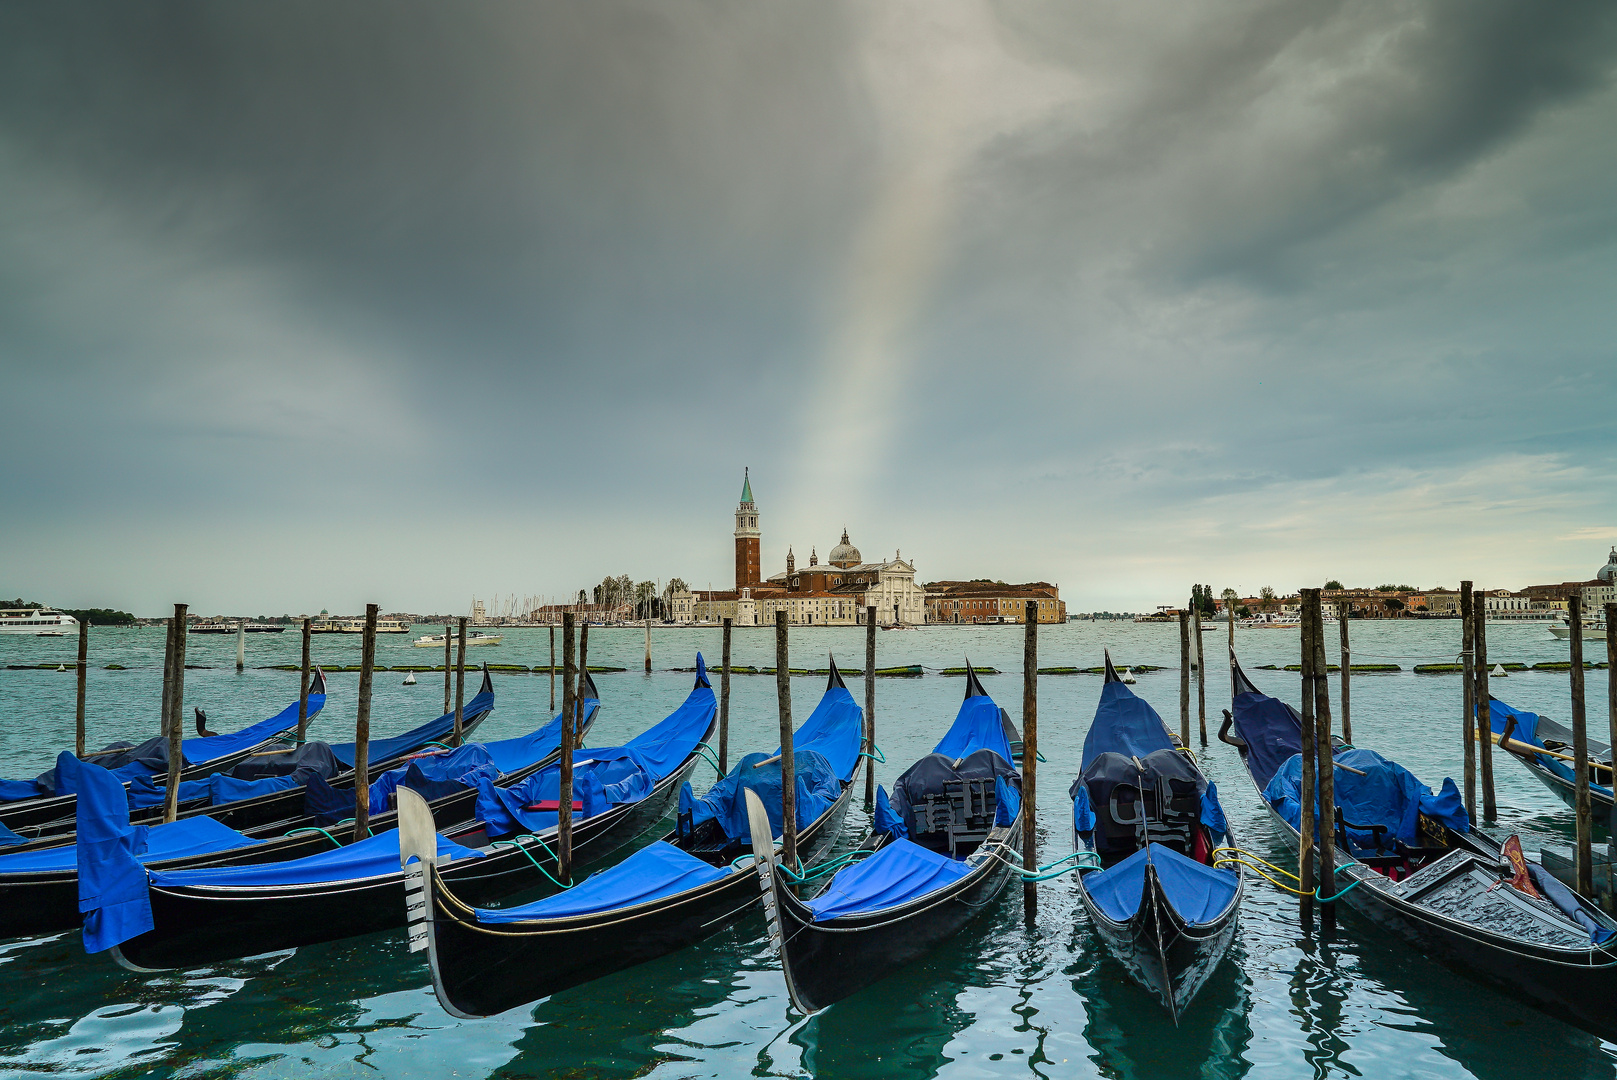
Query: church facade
[{"x": 835, "y": 593}]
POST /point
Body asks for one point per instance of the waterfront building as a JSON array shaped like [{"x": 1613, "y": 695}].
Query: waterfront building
[
  {"x": 833, "y": 594},
  {"x": 992, "y": 602}
]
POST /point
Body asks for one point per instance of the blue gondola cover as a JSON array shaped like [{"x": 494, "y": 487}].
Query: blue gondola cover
[
  {"x": 817, "y": 788},
  {"x": 1387, "y": 795},
  {"x": 382, "y": 749},
  {"x": 898, "y": 873},
  {"x": 1272, "y": 731},
  {"x": 887, "y": 820},
  {"x": 657, "y": 870},
  {"x": 1124, "y": 723},
  {"x": 375, "y": 856},
  {"x": 112, "y": 883},
  {"x": 210, "y": 747},
  {"x": 1525, "y": 730},
  {"x": 976, "y": 726},
  {"x": 1199, "y": 893},
  {"x": 833, "y": 730}
]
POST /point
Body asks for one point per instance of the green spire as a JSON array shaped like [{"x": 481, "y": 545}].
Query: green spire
[{"x": 746, "y": 486}]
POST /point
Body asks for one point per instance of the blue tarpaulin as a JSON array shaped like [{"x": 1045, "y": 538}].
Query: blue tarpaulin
[
  {"x": 657, "y": 870},
  {"x": 1387, "y": 795},
  {"x": 898, "y": 873},
  {"x": 1007, "y": 803},
  {"x": 976, "y": 726},
  {"x": 1199, "y": 893},
  {"x": 112, "y": 883},
  {"x": 8, "y": 838},
  {"x": 826, "y": 731},
  {"x": 603, "y": 776},
  {"x": 206, "y": 748},
  {"x": 1124, "y": 724},
  {"x": 1272, "y": 731},
  {"x": 155, "y": 843},
  {"x": 887, "y": 820},
  {"x": 817, "y": 788},
  {"x": 1525, "y": 730},
  {"x": 415, "y": 738},
  {"x": 375, "y": 856}
]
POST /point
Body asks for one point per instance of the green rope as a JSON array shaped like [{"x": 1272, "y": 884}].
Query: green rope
[
  {"x": 709, "y": 755},
  {"x": 878, "y": 757},
  {"x": 1338, "y": 896},
  {"x": 435, "y": 742},
  {"x": 350, "y": 821},
  {"x": 314, "y": 828},
  {"x": 517, "y": 843},
  {"x": 1049, "y": 872},
  {"x": 1040, "y": 755}
]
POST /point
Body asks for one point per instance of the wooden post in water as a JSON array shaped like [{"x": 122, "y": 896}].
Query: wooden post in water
[
  {"x": 1030, "y": 757},
  {"x": 552, "y": 667},
  {"x": 449, "y": 663},
  {"x": 1468, "y": 727},
  {"x": 1310, "y": 763},
  {"x": 460, "y": 686},
  {"x": 724, "y": 704},
  {"x": 1229, "y": 612},
  {"x": 1484, "y": 714},
  {"x": 1326, "y": 752},
  {"x": 1347, "y": 666},
  {"x": 168, "y": 680},
  {"x": 1184, "y": 677},
  {"x": 788, "y": 764},
  {"x": 362, "y": 728},
  {"x": 83, "y": 669},
  {"x": 1201, "y": 671},
  {"x": 870, "y": 706},
  {"x": 176, "y": 726},
  {"x": 564, "y": 796},
  {"x": 1611, "y": 716},
  {"x": 648, "y": 646},
  {"x": 241, "y": 646},
  {"x": 303, "y": 686},
  {"x": 1580, "y": 752}
]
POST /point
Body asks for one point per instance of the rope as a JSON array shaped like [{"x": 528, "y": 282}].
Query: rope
[
  {"x": 316, "y": 828},
  {"x": 709, "y": 755},
  {"x": 350, "y": 821},
  {"x": 801, "y": 876},
  {"x": 517, "y": 843},
  {"x": 1242, "y": 860},
  {"x": 878, "y": 757}
]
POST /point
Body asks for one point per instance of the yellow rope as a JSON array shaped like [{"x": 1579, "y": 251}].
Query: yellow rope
[{"x": 1256, "y": 864}]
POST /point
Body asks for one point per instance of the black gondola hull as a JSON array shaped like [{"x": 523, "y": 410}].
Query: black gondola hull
[
  {"x": 827, "y": 962},
  {"x": 481, "y": 970},
  {"x": 196, "y": 926},
  {"x": 1163, "y": 952}
]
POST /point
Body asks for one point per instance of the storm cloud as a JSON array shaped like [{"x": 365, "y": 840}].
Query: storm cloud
[{"x": 296, "y": 299}]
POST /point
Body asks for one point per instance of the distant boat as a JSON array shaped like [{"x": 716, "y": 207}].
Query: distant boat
[
  {"x": 1592, "y": 631},
  {"x": 263, "y": 628},
  {"x": 432, "y": 640},
  {"x": 357, "y": 626},
  {"x": 409, "y": 680},
  {"x": 41, "y": 622},
  {"x": 212, "y": 628}
]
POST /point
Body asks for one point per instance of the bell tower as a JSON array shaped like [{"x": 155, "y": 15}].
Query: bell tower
[{"x": 749, "y": 561}]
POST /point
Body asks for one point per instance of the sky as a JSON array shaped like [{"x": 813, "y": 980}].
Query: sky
[{"x": 305, "y": 305}]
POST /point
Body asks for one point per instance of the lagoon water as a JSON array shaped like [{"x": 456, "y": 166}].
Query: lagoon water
[{"x": 1002, "y": 999}]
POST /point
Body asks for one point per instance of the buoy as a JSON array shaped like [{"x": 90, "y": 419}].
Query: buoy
[
  {"x": 409, "y": 680},
  {"x": 1499, "y": 672},
  {"x": 1128, "y": 675},
  {"x": 61, "y": 667}
]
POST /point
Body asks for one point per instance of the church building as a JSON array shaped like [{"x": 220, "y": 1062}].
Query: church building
[{"x": 835, "y": 593}]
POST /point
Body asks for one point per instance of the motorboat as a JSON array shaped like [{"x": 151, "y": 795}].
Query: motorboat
[
  {"x": 40, "y": 622},
  {"x": 437, "y": 640}
]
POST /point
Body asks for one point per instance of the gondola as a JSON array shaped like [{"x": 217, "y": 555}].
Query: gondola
[
  {"x": 678, "y": 890},
  {"x": 939, "y": 853},
  {"x": 205, "y": 915},
  {"x": 1161, "y": 902},
  {"x": 1544, "y": 747},
  {"x": 1410, "y": 861},
  {"x": 26, "y": 806},
  {"x": 40, "y": 888}
]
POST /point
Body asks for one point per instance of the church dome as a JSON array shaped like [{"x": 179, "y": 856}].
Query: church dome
[
  {"x": 845, "y": 554},
  {"x": 1608, "y": 573}
]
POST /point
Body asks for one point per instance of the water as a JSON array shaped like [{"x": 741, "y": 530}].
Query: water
[{"x": 1002, "y": 999}]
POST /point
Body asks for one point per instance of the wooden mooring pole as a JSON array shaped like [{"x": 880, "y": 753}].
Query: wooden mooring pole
[
  {"x": 168, "y": 680},
  {"x": 1468, "y": 727},
  {"x": 1229, "y": 612},
  {"x": 648, "y": 646},
  {"x": 788, "y": 764},
  {"x": 1580, "y": 751},
  {"x": 449, "y": 665},
  {"x": 176, "y": 726},
  {"x": 870, "y": 706},
  {"x": 83, "y": 670},
  {"x": 1030, "y": 758},
  {"x": 1484, "y": 721},
  {"x": 303, "y": 685},
  {"x": 724, "y": 703},
  {"x": 1347, "y": 667},
  {"x": 1611, "y": 718},
  {"x": 241, "y": 646},
  {"x": 1310, "y": 763},
  {"x": 1326, "y": 752},
  {"x": 564, "y": 795},
  {"x": 460, "y": 687},
  {"x": 1184, "y": 677},
  {"x": 362, "y": 728},
  {"x": 553, "y": 668},
  {"x": 1201, "y": 671}
]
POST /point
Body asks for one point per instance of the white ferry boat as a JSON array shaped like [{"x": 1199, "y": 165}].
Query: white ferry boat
[
  {"x": 213, "y": 627},
  {"x": 41, "y": 622},
  {"x": 357, "y": 626},
  {"x": 437, "y": 640}
]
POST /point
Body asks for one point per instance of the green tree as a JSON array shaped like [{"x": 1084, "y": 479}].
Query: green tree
[
  {"x": 1334, "y": 584},
  {"x": 1267, "y": 595}
]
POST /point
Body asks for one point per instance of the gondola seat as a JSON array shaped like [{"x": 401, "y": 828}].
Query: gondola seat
[
  {"x": 1121, "y": 803},
  {"x": 949, "y": 805}
]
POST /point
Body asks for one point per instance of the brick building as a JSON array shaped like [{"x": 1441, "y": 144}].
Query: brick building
[{"x": 991, "y": 602}]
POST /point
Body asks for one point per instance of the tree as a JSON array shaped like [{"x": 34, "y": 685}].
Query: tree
[
  {"x": 645, "y": 595},
  {"x": 1395, "y": 588},
  {"x": 1267, "y": 595},
  {"x": 1334, "y": 584}
]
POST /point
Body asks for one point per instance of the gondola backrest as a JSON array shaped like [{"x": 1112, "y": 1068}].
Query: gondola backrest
[
  {"x": 1155, "y": 799},
  {"x": 950, "y": 806}
]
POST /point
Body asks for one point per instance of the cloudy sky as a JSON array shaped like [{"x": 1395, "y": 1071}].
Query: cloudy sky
[{"x": 304, "y": 305}]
